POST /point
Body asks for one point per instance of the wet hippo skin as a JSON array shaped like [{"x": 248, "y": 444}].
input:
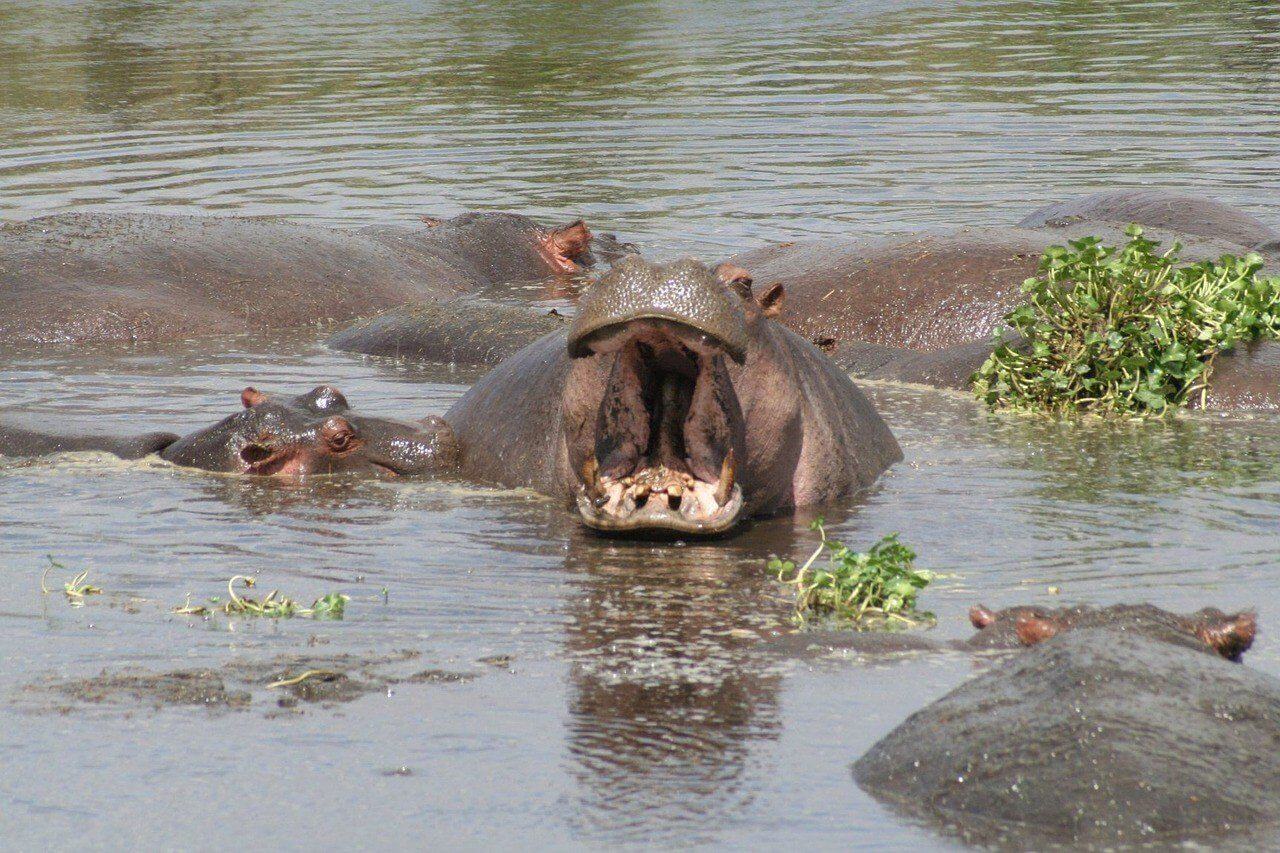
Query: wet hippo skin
[
  {"x": 1124, "y": 726},
  {"x": 136, "y": 277},
  {"x": 675, "y": 401},
  {"x": 309, "y": 434}
]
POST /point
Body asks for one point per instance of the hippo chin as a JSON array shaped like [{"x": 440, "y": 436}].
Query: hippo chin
[
  {"x": 674, "y": 402},
  {"x": 311, "y": 434},
  {"x": 1122, "y": 726}
]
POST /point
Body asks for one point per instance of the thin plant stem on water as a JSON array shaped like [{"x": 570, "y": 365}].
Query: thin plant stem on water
[
  {"x": 272, "y": 606},
  {"x": 76, "y": 590}
]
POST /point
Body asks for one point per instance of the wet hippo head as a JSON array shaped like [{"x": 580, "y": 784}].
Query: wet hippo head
[
  {"x": 313, "y": 433},
  {"x": 653, "y": 423},
  {"x": 508, "y": 245},
  {"x": 1229, "y": 635}
]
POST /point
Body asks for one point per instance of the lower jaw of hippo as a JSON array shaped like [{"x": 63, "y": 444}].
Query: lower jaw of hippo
[
  {"x": 664, "y": 458},
  {"x": 659, "y": 499}
]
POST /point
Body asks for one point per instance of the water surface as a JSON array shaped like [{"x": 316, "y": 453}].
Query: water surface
[{"x": 639, "y": 705}]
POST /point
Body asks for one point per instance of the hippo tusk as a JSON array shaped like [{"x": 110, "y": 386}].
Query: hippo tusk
[
  {"x": 591, "y": 481},
  {"x": 725, "y": 487}
]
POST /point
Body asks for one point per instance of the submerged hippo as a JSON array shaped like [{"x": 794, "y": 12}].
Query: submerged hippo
[
  {"x": 313, "y": 433},
  {"x": 136, "y": 277},
  {"x": 1122, "y": 726},
  {"x": 674, "y": 401}
]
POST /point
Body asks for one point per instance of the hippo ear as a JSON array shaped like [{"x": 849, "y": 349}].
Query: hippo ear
[
  {"x": 1036, "y": 629},
  {"x": 326, "y": 398},
  {"x": 771, "y": 300},
  {"x": 251, "y": 397},
  {"x": 566, "y": 244},
  {"x": 1229, "y": 636},
  {"x": 980, "y": 616},
  {"x": 431, "y": 221},
  {"x": 338, "y": 434},
  {"x": 735, "y": 278}
]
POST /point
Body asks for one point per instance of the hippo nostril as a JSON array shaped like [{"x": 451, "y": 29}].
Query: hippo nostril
[{"x": 255, "y": 454}]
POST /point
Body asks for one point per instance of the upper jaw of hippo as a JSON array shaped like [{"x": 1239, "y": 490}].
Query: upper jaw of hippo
[{"x": 668, "y": 434}]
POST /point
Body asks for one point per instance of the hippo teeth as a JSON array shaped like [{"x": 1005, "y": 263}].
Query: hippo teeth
[{"x": 725, "y": 486}]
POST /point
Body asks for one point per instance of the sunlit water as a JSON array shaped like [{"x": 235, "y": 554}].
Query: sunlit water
[{"x": 638, "y": 707}]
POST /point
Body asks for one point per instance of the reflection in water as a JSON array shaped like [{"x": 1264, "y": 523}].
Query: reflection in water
[{"x": 668, "y": 705}]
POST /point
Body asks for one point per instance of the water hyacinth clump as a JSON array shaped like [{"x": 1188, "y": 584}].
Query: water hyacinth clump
[
  {"x": 1125, "y": 331},
  {"x": 874, "y": 588}
]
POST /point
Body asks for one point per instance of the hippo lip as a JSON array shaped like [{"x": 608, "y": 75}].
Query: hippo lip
[{"x": 668, "y": 436}]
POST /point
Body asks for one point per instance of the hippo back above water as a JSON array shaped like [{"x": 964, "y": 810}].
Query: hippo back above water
[
  {"x": 1123, "y": 726},
  {"x": 147, "y": 277}
]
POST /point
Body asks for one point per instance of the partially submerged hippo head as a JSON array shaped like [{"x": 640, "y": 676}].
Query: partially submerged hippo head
[
  {"x": 659, "y": 444},
  {"x": 507, "y": 244},
  {"x": 1229, "y": 635},
  {"x": 313, "y": 433}
]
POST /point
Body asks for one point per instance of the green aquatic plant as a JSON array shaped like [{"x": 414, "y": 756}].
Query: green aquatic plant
[
  {"x": 76, "y": 589},
  {"x": 1125, "y": 331},
  {"x": 875, "y": 588},
  {"x": 272, "y": 606}
]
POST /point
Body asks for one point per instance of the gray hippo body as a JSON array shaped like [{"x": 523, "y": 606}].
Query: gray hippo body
[
  {"x": 1124, "y": 726},
  {"x": 461, "y": 331},
  {"x": 75, "y": 278},
  {"x": 1187, "y": 215}
]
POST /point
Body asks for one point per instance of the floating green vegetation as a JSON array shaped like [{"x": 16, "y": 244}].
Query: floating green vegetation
[
  {"x": 272, "y": 606},
  {"x": 871, "y": 589},
  {"x": 1125, "y": 331},
  {"x": 76, "y": 590}
]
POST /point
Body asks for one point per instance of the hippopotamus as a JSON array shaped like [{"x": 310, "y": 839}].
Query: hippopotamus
[
  {"x": 673, "y": 402},
  {"x": 464, "y": 331},
  {"x": 1178, "y": 213},
  {"x": 923, "y": 309},
  {"x": 1123, "y": 725},
  {"x": 926, "y": 292},
  {"x": 87, "y": 277},
  {"x": 312, "y": 433}
]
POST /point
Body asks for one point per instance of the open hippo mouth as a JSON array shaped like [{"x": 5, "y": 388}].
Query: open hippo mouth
[{"x": 668, "y": 431}]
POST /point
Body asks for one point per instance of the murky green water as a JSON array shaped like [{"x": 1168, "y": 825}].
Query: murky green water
[{"x": 636, "y": 708}]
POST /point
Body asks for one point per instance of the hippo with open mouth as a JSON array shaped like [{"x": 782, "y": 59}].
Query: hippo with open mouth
[{"x": 673, "y": 402}]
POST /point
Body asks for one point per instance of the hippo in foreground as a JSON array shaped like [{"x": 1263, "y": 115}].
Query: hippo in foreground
[
  {"x": 1121, "y": 726},
  {"x": 674, "y": 401},
  {"x": 312, "y": 433},
  {"x": 76, "y": 278}
]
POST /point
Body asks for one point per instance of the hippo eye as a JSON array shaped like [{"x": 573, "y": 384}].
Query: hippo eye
[{"x": 338, "y": 434}]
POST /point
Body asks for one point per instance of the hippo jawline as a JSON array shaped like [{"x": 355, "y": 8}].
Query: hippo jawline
[{"x": 668, "y": 435}]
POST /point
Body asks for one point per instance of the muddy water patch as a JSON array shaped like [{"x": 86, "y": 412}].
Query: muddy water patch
[{"x": 287, "y": 682}]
